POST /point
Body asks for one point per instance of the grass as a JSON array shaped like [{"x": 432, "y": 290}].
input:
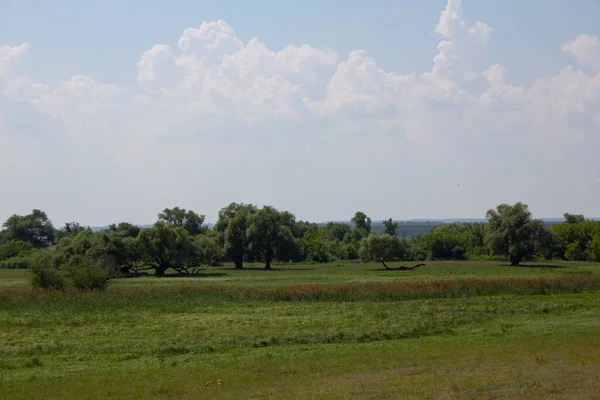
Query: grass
[{"x": 495, "y": 332}]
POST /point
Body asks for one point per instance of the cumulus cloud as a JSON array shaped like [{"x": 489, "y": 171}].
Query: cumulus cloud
[
  {"x": 216, "y": 119},
  {"x": 586, "y": 50},
  {"x": 8, "y": 54}
]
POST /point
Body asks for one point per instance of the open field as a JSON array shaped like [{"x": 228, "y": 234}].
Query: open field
[{"x": 447, "y": 330}]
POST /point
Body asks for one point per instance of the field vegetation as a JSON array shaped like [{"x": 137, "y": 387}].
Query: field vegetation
[{"x": 263, "y": 306}]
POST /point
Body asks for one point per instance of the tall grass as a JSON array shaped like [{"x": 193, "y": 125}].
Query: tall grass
[{"x": 369, "y": 291}]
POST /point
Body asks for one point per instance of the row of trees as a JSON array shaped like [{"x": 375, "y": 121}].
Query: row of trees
[{"x": 180, "y": 241}]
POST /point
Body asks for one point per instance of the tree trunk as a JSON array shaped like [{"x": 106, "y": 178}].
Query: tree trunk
[
  {"x": 160, "y": 270},
  {"x": 268, "y": 263},
  {"x": 239, "y": 264},
  {"x": 384, "y": 264},
  {"x": 514, "y": 261}
]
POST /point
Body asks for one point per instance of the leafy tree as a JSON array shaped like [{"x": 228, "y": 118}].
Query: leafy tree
[
  {"x": 336, "y": 230},
  {"x": 122, "y": 245},
  {"x": 165, "y": 246},
  {"x": 123, "y": 229},
  {"x": 513, "y": 233},
  {"x": 361, "y": 221},
  {"x": 208, "y": 250},
  {"x": 268, "y": 231},
  {"x": 593, "y": 248},
  {"x": 34, "y": 228},
  {"x": 391, "y": 227},
  {"x": 232, "y": 227},
  {"x": 382, "y": 248},
  {"x": 455, "y": 241},
  {"x": 573, "y": 218},
  {"x": 313, "y": 246},
  {"x": 71, "y": 229},
  {"x": 575, "y": 238},
  {"x": 14, "y": 249},
  {"x": 181, "y": 217}
]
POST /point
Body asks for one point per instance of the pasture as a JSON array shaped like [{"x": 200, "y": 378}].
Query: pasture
[{"x": 446, "y": 330}]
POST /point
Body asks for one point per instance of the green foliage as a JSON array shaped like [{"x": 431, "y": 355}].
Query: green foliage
[
  {"x": 362, "y": 221},
  {"x": 208, "y": 251},
  {"x": 17, "y": 262},
  {"x": 593, "y": 248},
  {"x": 15, "y": 248},
  {"x": 231, "y": 228},
  {"x": 576, "y": 239},
  {"x": 180, "y": 217},
  {"x": 390, "y": 227},
  {"x": 513, "y": 233},
  {"x": 314, "y": 247},
  {"x": 457, "y": 241},
  {"x": 382, "y": 248},
  {"x": 45, "y": 275},
  {"x": 270, "y": 231},
  {"x": 71, "y": 229},
  {"x": 34, "y": 228},
  {"x": 89, "y": 273},
  {"x": 165, "y": 246},
  {"x": 573, "y": 218}
]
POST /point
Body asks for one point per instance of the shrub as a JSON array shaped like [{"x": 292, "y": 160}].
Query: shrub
[
  {"x": 17, "y": 262},
  {"x": 87, "y": 273},
  {"x": 14, "y": 248},
  {"x": 45, "y": 275}
]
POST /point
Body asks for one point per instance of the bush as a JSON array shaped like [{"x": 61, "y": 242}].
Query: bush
[
  {"x": 45, "y": 275},
  {"x": 17, "y": 262},
  {"x": 14, "y": 248},
  {"x": 87, "y": 273}
]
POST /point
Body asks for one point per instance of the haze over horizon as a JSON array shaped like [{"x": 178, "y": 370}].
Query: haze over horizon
[{"x": 113, "y": 111}]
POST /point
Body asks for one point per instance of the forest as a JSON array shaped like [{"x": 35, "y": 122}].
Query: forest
[{"x": 180, "y": 242}]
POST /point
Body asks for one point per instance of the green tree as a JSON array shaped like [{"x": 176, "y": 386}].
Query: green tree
[
  {"x": 390, "y": 227},
  {"x": 268, "y": 231},
  {"x": 573, "y": 218},
  {"x": 164, "y": 246},
  {"x": 34, "y": 228},
  {"x": 336, "y": 230},
  {"x": 513, "y": 233},
  {"x": 71, "y": 229},
  {"x": 232, "y": 227},
  {"x": 362, "y": 221},
  {"x": 180, "y": 217},
  {"x": 382, "y": 248}
]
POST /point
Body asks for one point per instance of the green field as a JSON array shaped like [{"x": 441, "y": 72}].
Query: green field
[{"x": 446, "y": 330}]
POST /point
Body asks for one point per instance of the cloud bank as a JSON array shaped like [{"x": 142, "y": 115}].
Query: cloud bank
[{"x": 215, "y": 120}]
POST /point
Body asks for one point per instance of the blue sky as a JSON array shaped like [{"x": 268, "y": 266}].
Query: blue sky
[{"x": 100, "y": 121}]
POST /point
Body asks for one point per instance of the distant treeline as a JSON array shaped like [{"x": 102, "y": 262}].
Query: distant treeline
[{"x": 180, "y": 241}]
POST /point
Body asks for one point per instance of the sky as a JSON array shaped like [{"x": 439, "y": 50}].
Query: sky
[{"x": 111, "y": 111}]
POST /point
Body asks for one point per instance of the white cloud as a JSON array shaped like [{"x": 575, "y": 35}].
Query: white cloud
[
  {"x": 216, "y": 119},
  {"x": 8, "y": 54},
  {"x": 585, "y": 49}
]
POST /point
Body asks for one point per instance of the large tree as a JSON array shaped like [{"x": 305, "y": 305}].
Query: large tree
[
  {"x": 164, "y": 246},
  {"x": 269, "y": 230},
  {"x": 513, "y": 233},
  {"x": 362, "y": 221},
  {"x": 181, "y": 217},
  {"x": 382, "y": 248},
  {"x": 231, "y": 228},
  {"x": 34, "y": 228}
]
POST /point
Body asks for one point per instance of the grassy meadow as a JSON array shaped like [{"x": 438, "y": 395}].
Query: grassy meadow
[{"x": 446, "y": 330}]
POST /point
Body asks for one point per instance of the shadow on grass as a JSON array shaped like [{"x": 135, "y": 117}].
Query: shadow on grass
[
  {"x": 539, "y": 266},
  {"x": 198, "y": 275},
  {"x": 272, "y": 269}
]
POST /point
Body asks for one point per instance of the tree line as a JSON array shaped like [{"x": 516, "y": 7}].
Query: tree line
[{"x": 180, "y": 241}]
